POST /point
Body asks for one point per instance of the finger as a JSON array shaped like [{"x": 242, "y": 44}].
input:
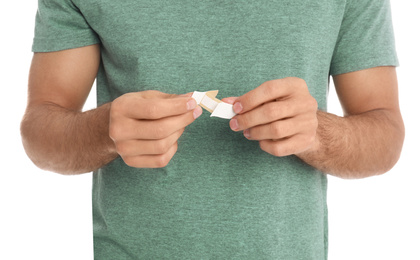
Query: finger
[
  {"x": 131, "y": 148},
  {"x": 266, "y": 92},
  {"x": 277, "y": 130},
  {"x": 161, "y": 108},
  {"x": 137, "y": 107},
  {"x": 153, "y": 94},
  {"x": 151, "y": 161},
  {"x": 287, "y": 146},
  {"x": 161, "y": 128},
  {"x": 267, "y": 113},
  {"x": 229, "y": 100},
  {"x": 122, "y": 129},
  {"x": 189, "y": 94}
]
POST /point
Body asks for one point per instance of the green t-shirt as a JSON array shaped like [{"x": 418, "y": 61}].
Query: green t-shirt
[{"x": 221, "y": 196}]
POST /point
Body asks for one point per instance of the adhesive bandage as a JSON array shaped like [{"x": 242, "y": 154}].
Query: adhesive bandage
[{"x": 209, "y": 102}]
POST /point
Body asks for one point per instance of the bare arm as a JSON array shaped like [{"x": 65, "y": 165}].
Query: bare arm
[
  {"x": 368, "y": 139},
  {"x": 283, "y": 117},
  {"x": 56, "y": 134},
  {"x": 143, "y": 128}
]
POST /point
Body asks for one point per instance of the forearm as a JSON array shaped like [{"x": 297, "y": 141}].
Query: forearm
[
  {"x": 356, "y": 146},
  {"x": 65, "y": 141}
]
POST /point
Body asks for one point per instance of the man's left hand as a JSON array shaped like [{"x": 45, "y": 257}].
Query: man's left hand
[{"x": 281, "y": 114}]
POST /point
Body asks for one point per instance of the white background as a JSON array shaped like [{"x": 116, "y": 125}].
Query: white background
[{"x": 48, "y": 216}]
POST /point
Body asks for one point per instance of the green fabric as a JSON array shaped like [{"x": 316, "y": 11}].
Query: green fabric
[{"x": 220, "y": 197}]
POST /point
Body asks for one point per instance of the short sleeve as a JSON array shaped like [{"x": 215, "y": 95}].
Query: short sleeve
[
  {"x": 60, "y": 25},
  {"x": 366, "y": 37}
]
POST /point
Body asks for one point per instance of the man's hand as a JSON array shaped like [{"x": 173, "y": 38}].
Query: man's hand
[
  {"x": 283, "y": 117},
  {"x": 280, "y": 114},
  {"x": 145, "y": 126},
  {"x": 142, "y": 127}
]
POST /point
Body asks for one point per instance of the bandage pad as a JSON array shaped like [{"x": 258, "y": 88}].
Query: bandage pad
[{"x": 216, "y": 107}]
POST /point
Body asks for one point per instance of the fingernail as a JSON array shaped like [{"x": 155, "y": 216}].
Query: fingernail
[
  {"x": 247, "y": 134},
  {"x": 237, "y": 107},
  {"x": 191, "y": 104},
  {"x": 234, "y": 124},
  {"x": 197, "y": 112}
]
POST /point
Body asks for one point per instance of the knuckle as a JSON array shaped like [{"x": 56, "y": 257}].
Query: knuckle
[
  {"x": 313, "y": 103},
  {"x": 290, "y": 80},
  {"x": 308, "y": 139},
  {"x": 314, "y": 123},
  {"x": 298, "y": 85},
  {"x": 300, "y": 81},
  {"x": 114, "y": 108},
  {"x": 162, "y": 161},
  {"x": 121, "y": 148},
  {"x": 115, "y": 132},
  {"x": 116, "y": 104},
  {"x": 271, "y": 148},
  {"x": 276, "y": 130},
  {"x": 297, "y": 82},
  {"x": 314, "y": 134},
  {"x": 130, "y": 161},
  {"x": 312, "y": 138},
  {"x": 120, "y": 104},
  {"x": 277, "y": 151},
  {"x": 161, "y": 147},
  {"x": 270, "y": 88},
  {"x": 115, "y": 111},
  {"x": 311, "y": 124},
  {"x": 150, "y": 94},
  {"x": 262, "y": 145}
]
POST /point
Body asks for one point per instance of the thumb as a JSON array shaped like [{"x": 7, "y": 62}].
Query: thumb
[{"x": 229, "y": 100}]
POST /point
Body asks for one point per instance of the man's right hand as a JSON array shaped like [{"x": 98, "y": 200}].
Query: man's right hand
[
  {"x": 145, "y": 126},
  {"x": 58, "y": 136}
]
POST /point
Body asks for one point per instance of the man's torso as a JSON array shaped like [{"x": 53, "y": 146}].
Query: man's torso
[{"x": 221, "y": 197}]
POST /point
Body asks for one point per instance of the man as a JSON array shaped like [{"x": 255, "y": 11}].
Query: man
[{"x": 168, "y": 184}]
